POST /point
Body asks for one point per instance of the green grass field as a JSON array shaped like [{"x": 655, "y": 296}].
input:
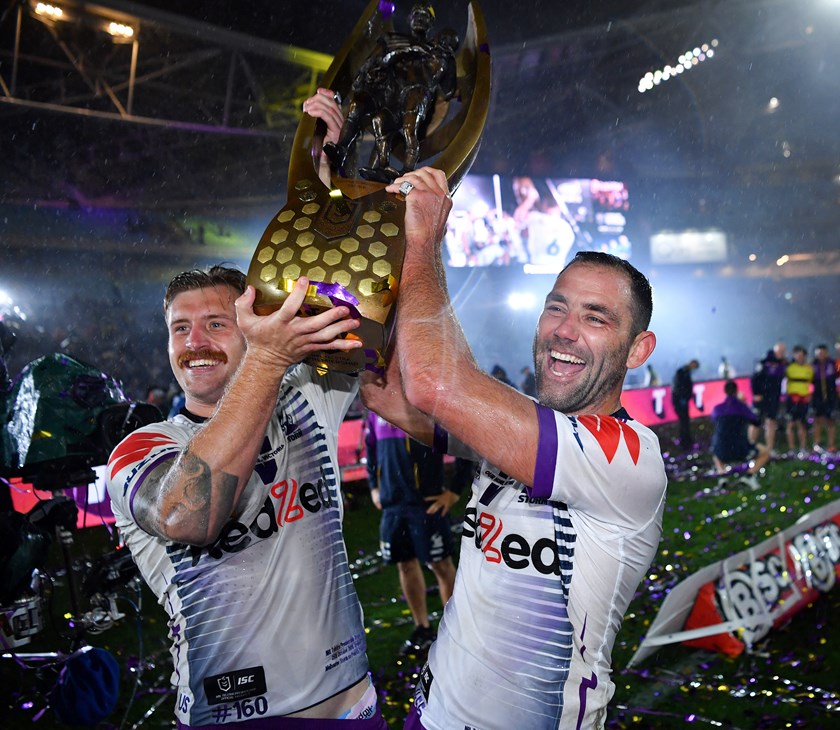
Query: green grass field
[{"x": 790, "y": 680}]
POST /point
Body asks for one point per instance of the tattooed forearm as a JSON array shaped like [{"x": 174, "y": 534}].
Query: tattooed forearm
[
  {"x": 197, "y": 480},
  {"x": 206, "y": 497},
  {"x": 186, "y": 503}
]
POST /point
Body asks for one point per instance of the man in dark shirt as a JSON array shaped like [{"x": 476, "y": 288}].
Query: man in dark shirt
[
  {"x": 406, "y": 484},
  {"x": 500, "y": 374},
  {"x": 824, "y": 398},
  {"x": 682, "y": 391},
  {"x": 767, "y": 390},
  {"x": 730, "y": 442}
]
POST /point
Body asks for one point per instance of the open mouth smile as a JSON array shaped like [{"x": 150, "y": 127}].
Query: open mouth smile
[{"x": 564, "y": 364}]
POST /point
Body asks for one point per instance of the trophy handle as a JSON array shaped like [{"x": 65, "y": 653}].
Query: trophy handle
[{"x": 456, "y": 141}]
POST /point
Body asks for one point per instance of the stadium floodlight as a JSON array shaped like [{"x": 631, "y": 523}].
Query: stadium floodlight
[
  {"x": 685, "y": 62},
  {"x": 50, "y": 12},
  {"x": 521, "y": 300}
]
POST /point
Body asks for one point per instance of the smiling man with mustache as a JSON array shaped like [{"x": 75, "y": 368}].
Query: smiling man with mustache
[{"x": 232, "y": 511}]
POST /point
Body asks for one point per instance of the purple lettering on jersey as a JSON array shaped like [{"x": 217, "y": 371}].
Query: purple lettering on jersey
[
  {"x": 267, "y": 469},
  {"x": 546, "y": 453},
  {"x": 490, "y": 494},
  {"x": 175, "y": 630}
]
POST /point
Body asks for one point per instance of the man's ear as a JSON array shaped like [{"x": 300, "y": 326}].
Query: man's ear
[{"x": 641, "y": 349}]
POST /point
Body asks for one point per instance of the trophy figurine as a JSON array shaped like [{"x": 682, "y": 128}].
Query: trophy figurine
[{"x": 410, "y": 98}]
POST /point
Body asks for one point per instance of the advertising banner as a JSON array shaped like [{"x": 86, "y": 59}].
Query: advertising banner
[{"x": 730, "y": 605}]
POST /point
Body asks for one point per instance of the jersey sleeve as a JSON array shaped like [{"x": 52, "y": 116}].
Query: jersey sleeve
[
  {"x": 136, "y": 457},
  {"x": 610, "y": 468}
]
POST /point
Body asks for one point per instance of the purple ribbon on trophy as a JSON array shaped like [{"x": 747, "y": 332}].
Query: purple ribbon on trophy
[{"x": 338, "y": 295}]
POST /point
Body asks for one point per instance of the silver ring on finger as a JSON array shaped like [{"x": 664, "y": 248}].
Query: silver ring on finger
[{"x": 406, "y": 187}]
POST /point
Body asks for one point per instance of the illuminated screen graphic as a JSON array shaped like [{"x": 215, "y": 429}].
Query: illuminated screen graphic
[{"x": 535, "y": 223}]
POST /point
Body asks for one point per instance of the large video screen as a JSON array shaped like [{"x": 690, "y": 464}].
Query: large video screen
[{"x": 536, "y": 223}]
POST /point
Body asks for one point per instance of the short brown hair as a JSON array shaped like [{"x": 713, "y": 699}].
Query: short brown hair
[
  {"x": 217, "y": 275},
  {"x": 640, "y": 289}
]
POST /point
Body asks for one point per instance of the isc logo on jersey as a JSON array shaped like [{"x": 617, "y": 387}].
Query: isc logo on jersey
[{"x": 486, "y": 530}]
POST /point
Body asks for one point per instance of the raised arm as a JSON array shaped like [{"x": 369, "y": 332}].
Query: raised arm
[
  {"x": 190, "y": 500},
  {"x": 323, "y": 105},
  {"x": 439, "y": 374},
  {"x": 383, "y": 394}
]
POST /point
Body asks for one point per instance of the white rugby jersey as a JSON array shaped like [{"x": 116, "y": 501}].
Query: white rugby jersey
[
  {"x": 545, "y": 577},
  {"x": 265, "y": 621}
]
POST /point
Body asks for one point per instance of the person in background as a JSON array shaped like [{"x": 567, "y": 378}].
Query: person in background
[
  {"x": 730, "y": 441},
  {"x": 232, "y": 512},
  {"x": 725, "y": 370},
  {"x": 651, "y": 379},
  {"x": 501, "y": 375},
  {"x": 800, "y": 376},
  {"x": 156, "y": 396},
  {"x": 837, "y": 366},
  {"x": 406, "y": 483},
  {"x": 178, "y": 401},
  {"x": 529, "y": 382},
  {"x": 766, "y": 383},
  {"x": 824, "y": 399},
  {"x": 682, "y": 391}
]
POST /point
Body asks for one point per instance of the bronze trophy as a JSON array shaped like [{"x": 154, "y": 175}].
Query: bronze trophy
[{"x": 411, "y": 99}]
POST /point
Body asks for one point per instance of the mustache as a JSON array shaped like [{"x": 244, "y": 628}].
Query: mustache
[{"x": 203, "y": 354}]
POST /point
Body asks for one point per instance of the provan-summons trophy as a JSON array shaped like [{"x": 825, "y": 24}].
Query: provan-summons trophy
[{"x": 409, "y": 98}]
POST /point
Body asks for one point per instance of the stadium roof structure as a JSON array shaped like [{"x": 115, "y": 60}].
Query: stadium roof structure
[{"x": 718, "y": 114}]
